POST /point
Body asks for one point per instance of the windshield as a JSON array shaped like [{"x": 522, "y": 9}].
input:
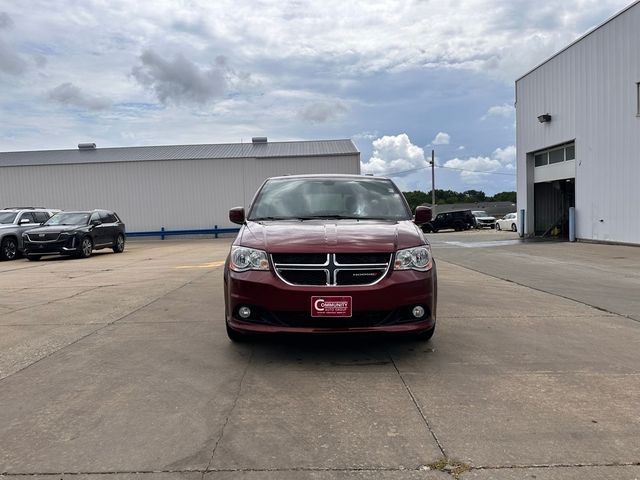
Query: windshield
[
  {"x": 480, "y": 213},
  {"x": 7, "y": 217},
  {"x": 69, "y": 218},
  {"x": 309, "y": 198}
]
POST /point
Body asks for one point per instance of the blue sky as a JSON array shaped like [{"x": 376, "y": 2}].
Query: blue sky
[{"x": 399, "y": 78}]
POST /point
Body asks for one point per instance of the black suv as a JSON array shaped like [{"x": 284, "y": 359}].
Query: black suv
[
  {"x": 75, "y": 233},
  {"x": 458, "y": 220}
]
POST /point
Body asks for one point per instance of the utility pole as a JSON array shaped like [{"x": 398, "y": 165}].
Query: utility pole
[{"x": 433, "y": 179}]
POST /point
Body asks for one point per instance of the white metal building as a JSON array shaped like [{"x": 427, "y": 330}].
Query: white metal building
[
  {"x": 176, "y": 187},
  {"x": 578, "y": 135}
]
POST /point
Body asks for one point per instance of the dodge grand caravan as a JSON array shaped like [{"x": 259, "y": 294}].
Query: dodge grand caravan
[{"x": 330, "y": 254}]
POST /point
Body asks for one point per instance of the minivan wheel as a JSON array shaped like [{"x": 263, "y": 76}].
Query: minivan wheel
[
  {"x": 234, "y": 335},
  {"x": 425, "y": 336},
  {"x": 86, "y": 247},
  {"x": 514, "y": 228},
  {"x": 119, "y": 246},
  {"x": 9, "y": 249},
  {"x": 498, "y": 227}
]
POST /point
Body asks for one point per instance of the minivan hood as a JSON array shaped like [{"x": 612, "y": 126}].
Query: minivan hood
[{"x": 294, "y": 236}]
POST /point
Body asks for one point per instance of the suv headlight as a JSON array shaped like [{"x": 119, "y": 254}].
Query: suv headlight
[
  {"x": 244, "y": 258},
  {"x": 416, "y": 258}
]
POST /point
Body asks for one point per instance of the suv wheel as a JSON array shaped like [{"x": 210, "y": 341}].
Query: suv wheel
[
  {"x": 86, "y": 247},
  {"x": 426, "y": 228},
  {"x": 514, "y": 228},
  {"x": 9, "y": 249},
  {"x": 119, "y": 245}
]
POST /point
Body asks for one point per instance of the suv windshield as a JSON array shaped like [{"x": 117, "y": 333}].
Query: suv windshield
[
  {"x": 7, "y": 217},
  {"x": 309, "y": 198},
  {"x": 480, "y": 213},
  {"x": 70, "y": 218}
]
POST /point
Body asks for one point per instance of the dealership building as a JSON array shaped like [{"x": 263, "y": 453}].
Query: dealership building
[
  {"x": 177, "y": 187},
  {"x": 578, "y": 136}
]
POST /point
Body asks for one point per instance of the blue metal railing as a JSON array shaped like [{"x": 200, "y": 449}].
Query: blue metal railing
[{"x": 162, "y": 233}]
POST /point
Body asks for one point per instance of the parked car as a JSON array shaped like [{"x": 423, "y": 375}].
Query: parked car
[
  {"x": 75, "y": 233},
  {"x": 483, "y": 219},
  {"x": 457, "y": 220},
  {"x": 14, "y": 221},
  {"x": 508, "y": 222},
  {"x": 330, "y": 254}
]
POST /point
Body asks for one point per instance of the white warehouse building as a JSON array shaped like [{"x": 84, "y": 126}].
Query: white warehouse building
[
  {"x": 178, "y": 187},
  {"x": 578, "y": 136}
]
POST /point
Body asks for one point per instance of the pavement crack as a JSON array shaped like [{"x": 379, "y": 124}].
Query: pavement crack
[
  {"x": 417, "y": 405},
  {"x": 231, "y": 410}
]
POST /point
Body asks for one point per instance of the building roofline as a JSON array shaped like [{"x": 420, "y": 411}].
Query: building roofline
[
  {"x": 178, "y": 145},
  {"x": 580, "y": 38}
]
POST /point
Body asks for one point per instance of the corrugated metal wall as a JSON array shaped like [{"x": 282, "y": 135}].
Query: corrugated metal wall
[
  {"x": 590, "y": 90},
  {"x": 174, "y": 194}
]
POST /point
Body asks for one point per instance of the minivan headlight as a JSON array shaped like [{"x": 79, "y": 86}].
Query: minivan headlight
[
  {"x": 416, "y": 258},
  {"x": 244, "y": 258}
]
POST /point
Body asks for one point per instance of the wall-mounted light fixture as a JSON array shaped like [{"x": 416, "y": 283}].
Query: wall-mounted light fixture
[{"x": 545, "y": 118}]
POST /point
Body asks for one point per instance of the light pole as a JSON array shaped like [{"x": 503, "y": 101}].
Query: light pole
[{"x": 433, "y": 179}]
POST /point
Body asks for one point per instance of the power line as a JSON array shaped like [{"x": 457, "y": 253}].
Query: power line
[{"x": 392, "y": 174}]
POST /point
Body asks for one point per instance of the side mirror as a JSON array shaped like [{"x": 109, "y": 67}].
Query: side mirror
[
  {"x": 96, "y": 223},
  {"x": 236, "y": 215},
  {"x": 423, "y": 215},
  {"x": 24, "y": 221}
]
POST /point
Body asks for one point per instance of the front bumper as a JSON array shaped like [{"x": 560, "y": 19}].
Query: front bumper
[{"x": 280, "y": 308}]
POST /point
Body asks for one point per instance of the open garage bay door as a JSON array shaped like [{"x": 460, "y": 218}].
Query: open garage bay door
[
  {"x": 552, "y": 201},
  {"x": 554, "y": 190}
]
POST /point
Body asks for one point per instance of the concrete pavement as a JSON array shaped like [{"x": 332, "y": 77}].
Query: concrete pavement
[{"x": 118, "y": 366}]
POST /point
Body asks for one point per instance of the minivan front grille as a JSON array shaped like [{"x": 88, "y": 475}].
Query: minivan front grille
[{"x": 331, "y": 269}]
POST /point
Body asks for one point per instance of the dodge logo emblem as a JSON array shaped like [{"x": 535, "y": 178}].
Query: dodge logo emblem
[{"x": 41, "y": 235}]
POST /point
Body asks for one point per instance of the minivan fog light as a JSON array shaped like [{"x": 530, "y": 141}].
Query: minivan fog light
[
  {"x": 244, "y": 312},
  {"x": 418, "y": 311}
]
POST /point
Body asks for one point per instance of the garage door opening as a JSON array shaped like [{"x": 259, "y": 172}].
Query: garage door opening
[{"x": 552, "y": 201}]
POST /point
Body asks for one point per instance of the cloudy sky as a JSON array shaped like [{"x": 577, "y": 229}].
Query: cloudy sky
[{"x": 399, "y": 78}]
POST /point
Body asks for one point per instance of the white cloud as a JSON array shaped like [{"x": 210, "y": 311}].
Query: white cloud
[
  {"x": 474, "y": 169},
  {"x": 506, "y": 156},
  {"x": 505, "y": 110},
  {"x": 442, "y": 138},
  {"x": 393, "y": 154}
]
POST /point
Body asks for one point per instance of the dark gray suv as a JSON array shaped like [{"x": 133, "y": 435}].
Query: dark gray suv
[
  {"x": 14, "y": 221},
  {"x": 76, "y": 233}
]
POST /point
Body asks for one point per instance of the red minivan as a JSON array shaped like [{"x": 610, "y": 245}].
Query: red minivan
[{"x": 330, "y": 254}]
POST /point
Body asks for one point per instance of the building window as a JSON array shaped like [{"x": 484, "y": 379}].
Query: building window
[
  {"x": 541, "y": 159},
  {"x": 553, "y": 155},
  {"x": 556, "y": 156}
]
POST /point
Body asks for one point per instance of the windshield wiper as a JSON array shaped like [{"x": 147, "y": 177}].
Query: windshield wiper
[
  {"x": 330, "y": 217},
  {"x": 258, "y": 219}
]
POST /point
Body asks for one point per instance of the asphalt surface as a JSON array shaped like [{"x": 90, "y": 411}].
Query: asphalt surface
[{"x": 118, "y": 367}]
